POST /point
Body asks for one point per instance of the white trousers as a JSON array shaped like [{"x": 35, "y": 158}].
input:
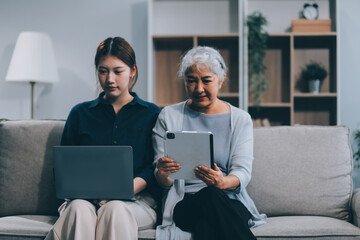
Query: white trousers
[{"x": 113, "y": 221}]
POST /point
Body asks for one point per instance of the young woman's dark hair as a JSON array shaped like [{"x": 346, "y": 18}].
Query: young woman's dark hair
[{"x": 120, "y": 48}]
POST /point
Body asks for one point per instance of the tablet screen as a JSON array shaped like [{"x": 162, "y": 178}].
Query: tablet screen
[{"x": 190, "y": 149}]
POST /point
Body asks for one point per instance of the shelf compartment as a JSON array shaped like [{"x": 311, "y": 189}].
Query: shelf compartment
[
  {"x": 232, "y": 98},
  {"x": 277, "y": 62},
  {"x": 319, "y": 48},
  {"x": 276, "y": 115},
  {"x": 228, "y": 46},
  {"x": 195, "y": 17},
  {"x": 167, "y": 53},
  {"x": 280, "y": 13},
  {"x": 315, "y": 111}
]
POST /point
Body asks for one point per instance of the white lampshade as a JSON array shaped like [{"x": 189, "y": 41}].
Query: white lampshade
[{"x": 33, "y": 59}]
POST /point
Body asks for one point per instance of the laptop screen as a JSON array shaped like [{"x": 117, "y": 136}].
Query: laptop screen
[{"x": 93, "y": 172}]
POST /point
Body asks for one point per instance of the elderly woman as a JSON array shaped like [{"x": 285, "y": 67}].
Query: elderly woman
[{"x": 217, "y": 205}]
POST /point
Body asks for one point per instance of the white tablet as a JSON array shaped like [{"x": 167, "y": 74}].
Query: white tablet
[{"x": 190, "y": 149}]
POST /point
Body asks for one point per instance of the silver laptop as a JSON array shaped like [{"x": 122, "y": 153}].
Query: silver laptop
[{"x": 94, "y": 172}]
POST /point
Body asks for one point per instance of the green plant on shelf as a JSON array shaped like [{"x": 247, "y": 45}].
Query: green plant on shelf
[
  {"x": 257, "y": 38},
  {"x": 313, "y": 71}
]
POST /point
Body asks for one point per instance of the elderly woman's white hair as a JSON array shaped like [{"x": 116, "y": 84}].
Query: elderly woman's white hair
[{"x": 202, "y": 56}]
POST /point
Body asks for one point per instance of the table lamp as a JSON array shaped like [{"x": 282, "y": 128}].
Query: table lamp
[{"x": 33, "y": 61}]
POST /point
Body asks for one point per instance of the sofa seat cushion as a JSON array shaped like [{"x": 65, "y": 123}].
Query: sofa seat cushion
[
  {"x": 302, "y": 170},
  {"x": 306, "y": 227},
  {"x": 26, "y": 226},
  {"x": 31, "y": 227}
]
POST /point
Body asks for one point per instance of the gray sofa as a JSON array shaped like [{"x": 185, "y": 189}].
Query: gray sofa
[{"x": 301, "y": 180}]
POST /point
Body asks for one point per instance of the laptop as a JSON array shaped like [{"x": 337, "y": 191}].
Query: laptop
[{"x": 93, "y": 172}]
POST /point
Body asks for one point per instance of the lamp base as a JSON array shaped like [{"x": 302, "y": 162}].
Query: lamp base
[{"x": 32, "y": 98}]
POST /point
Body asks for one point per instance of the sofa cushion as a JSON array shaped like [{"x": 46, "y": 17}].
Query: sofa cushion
[
  {"x": 302, "y": 170},
  {"x": 25, "y": 226},
  {"x": 306, "y": 227},
  {"x": 36, "y": 227},
  {"x": 26, "y": 170}
]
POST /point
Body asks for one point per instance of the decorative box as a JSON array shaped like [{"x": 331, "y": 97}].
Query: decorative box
[{"x": 317, "y": 25}]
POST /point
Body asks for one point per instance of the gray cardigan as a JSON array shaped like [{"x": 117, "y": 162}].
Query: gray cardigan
[{"x": 239, "y": 164}]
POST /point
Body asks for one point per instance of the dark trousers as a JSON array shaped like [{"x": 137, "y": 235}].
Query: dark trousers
[{"x": 210, "y": 214}]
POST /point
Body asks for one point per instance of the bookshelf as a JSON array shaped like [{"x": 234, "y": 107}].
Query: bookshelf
[{"x": 176, "y": 26}]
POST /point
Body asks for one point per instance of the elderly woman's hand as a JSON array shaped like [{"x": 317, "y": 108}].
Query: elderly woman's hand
[
  {"x": 212, "y": 177},
  {"x": 165, "y": 166}
]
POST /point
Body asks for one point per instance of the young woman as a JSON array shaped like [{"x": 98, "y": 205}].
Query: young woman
[
  {"x": 117, "y": 117},
  {"x": 217, "y": 205}
]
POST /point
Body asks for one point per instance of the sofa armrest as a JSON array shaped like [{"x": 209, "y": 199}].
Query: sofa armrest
[{"x": 355, "y": 207}]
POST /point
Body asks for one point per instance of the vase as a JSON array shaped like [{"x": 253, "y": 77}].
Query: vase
[{"x": 314, "y": 86}]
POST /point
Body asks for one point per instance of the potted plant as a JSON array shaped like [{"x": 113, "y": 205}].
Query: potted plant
[
  {"x": 314, "y": 73},
  {"x": 257, "y": 38}
]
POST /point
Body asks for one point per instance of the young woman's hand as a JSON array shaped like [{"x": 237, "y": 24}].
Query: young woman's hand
[
  {"x": 165, "y": 166},
  {"x": 139, "y": 185},
  {"x": 99, "y": 203}
]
